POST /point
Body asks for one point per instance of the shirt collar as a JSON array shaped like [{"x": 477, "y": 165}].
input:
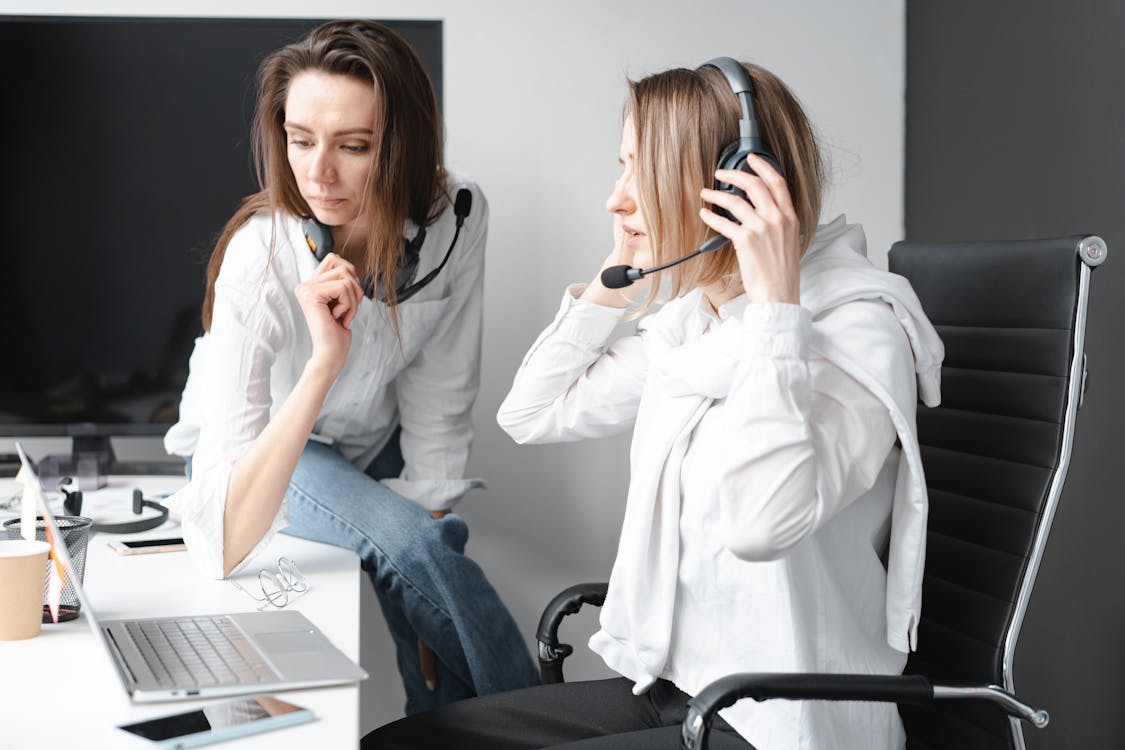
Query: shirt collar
[{"x": 732, "y": 308}]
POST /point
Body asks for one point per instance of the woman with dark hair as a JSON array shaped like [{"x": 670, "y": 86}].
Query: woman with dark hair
[
  {"x": 771, "y": 401},
  {"x": 330, "y": 396}
]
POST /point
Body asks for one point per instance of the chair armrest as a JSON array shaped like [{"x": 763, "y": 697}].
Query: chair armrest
[
  {"x": 551, "y": 652},
  {"x": 911, "y": 689}
]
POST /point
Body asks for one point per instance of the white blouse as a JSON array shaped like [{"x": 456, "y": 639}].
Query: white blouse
[
  {"x": 242, "y": 370},
  {"x": 759, "y": 508}
]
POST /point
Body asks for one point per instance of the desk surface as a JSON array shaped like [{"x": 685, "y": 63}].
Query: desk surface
[{"x": 61, "y": 685}]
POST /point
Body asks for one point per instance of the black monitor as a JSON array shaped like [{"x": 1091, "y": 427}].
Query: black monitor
[{"x": 125, "y": 147}]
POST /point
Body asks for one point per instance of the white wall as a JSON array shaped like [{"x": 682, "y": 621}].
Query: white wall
[{"x": 533, "y": 95}]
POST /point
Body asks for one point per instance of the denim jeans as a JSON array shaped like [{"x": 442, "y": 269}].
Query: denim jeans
[{"x": 426, "y": 586}]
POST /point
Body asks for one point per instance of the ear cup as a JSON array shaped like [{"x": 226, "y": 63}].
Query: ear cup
[
  {"x": 318, "y": 237},
  {"x": 405, "y": 272},
  {"x": 734, "y": 157}
]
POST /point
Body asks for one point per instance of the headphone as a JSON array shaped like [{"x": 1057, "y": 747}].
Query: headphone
[
  {"x": 319, "y": 239},
  {"x": 73, "y": 506},
  {"x": 732, "y": 157},
  {"x": 749, "y": 138}
]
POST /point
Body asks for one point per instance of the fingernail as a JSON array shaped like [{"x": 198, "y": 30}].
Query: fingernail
[{"x": 430, "y": 685}]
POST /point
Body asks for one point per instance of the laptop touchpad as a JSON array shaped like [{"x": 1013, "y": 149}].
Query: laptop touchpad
[{"x": 290, "y": 642}]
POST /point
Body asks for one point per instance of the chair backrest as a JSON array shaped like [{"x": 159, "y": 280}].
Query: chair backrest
[{"x": 1012, "y": 318}]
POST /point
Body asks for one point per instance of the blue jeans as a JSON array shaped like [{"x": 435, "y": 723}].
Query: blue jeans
[{"x": 427, "y": 588}]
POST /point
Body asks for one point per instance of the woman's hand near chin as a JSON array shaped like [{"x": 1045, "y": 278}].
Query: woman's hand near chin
[
  {"x": 329, "y": 300},
  {"x": 621, "y": 255}
]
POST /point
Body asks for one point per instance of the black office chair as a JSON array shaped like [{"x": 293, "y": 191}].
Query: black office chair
[{"x": 1012, "y": 316}]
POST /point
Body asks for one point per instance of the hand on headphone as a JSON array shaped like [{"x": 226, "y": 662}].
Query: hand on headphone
[
  {"x": 329, "y": 300},
  {"x": 766, "y": 233}
]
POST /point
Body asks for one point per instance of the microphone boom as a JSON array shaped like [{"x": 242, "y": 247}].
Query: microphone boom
[{"x": 619, "y": 277}]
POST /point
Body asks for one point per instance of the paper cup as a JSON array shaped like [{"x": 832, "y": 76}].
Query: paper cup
[{"x": 22, "y": 563}]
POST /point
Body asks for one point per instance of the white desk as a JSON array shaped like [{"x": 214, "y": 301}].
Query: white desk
[{"x": 60, "y": 688}]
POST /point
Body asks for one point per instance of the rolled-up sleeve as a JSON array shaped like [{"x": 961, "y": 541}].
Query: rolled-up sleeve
[{"x": 233, "y": 396}]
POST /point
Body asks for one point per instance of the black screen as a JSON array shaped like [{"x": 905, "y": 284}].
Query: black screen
[
  {"x": 142, "y": 544},
  {"x": 125, "y": 150},
  {"x": 167, "y": 727}
]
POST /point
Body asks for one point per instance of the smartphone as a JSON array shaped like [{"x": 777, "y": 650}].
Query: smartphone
[
  {"x": 148, "y": 546},
  {"x": 219, "y": 721}
]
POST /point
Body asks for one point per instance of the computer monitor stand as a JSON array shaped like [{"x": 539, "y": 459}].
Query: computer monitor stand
[{"x": 91, "y": 460}]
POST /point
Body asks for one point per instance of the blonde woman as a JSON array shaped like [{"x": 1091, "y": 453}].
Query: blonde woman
[{"x": 771, "y": 401}]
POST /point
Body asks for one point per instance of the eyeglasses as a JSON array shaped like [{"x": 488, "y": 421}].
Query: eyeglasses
[{"x": 276, "y": 586}]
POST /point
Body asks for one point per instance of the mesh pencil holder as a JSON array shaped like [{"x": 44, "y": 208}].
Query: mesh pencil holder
[{"x": 75, "y": 531}]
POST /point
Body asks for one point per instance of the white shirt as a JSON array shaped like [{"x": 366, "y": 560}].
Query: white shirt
[
  {"x": 758, "y": 511},
  {"x": 242, "y": 370}
]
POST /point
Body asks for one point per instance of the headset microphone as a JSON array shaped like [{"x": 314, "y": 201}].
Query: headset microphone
[
  {"x": 462, "y": 205},
  {"x": 618, "y": 277}
]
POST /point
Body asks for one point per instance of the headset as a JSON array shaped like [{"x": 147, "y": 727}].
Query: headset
[
  {"x": 733, "y": 156},
  {"x": 750, "y": 140},
  {"x": 319, "y": 239},
  {"x": 73, "y": 506}
]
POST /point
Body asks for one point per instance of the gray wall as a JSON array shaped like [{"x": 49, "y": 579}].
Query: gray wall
[{"x": 1015, "y": 128}]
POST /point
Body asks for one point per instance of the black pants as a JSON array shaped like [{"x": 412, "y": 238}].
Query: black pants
[{"x": 594, "y": 715}]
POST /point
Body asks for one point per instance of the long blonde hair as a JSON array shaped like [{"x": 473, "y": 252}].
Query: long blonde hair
[
  {"x": 407, "y": 179},
  {"x": 683, "y": 119}
]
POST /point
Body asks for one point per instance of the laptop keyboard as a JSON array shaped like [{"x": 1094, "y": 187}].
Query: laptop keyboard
[{"x": 199, "y": 651}]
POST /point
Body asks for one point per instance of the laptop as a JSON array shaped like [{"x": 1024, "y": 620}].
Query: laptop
[{"x": 180, "y": 658}]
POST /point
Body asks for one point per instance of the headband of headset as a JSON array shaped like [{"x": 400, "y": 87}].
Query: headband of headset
[
  {"x": 749, "y": 141},
  {"x": 73, "y": 505}
]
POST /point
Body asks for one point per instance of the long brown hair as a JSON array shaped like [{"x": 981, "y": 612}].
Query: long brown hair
[
  {"x": 407, "y": 179},
  {"x": 683, "y": 119}
]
